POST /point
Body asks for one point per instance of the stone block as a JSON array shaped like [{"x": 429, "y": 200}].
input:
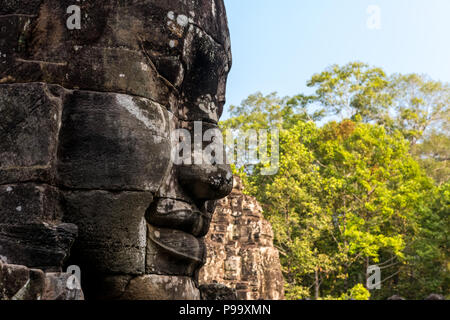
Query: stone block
[
  {"x": 20, "y": 283},
  {"x": 112, "y": 230},
  {"x": 217, "y": 292},
  {"x": 29, "y": 127},
  {"x": 62, "y": 286},
  {"x": 29, "y": 203},
  {"x": 158, "y": 287},
  {"x": 41, "y": 246}
]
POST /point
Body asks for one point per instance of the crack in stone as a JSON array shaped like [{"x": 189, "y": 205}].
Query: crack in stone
[
  {"x": 18, "y": 15},
  {"x": 62, "y": 64},
  {"x": 71, "y": 189},
  {"x": 38, "y": 167},
  {"x": 167, "y": 82}
]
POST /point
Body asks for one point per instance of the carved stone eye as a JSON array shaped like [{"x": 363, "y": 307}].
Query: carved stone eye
[{"x": 206, "y": 68}]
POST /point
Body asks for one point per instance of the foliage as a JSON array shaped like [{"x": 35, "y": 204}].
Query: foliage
[
  {"x": 413, "y": 104},
  {"x": 433, "y": 153},
  {"x": 350, "y": 90},
  {"x": 358, "y": 292},
  {"x": 419, "y": 105},
  {"x": 358, "y": 191}
]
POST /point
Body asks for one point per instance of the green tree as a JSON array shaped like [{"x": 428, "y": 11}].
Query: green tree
[
  {"x": 356, "y": 192},
  {"x": 413, "y": 104},
  {"x": 433, "y": 153},
  {"x": 355, "y": 89},
  {"x": 260, "y": 111},
  {"x": 427, "y": 259},
  {"x": 341, "y": 200},
  {"x": 419, "y": 105}
]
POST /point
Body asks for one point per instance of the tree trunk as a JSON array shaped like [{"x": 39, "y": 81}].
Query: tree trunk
[
  {"x": 365, "y": 272},
  {"x": 316, "y": 285}
]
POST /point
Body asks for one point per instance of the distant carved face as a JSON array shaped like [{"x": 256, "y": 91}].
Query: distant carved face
[{"x": 99, "y": 130}]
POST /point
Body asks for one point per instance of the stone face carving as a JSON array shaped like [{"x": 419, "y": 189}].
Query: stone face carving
[
  {"x": 240, "y": 250},
  {"x": 85, "y": 126}
]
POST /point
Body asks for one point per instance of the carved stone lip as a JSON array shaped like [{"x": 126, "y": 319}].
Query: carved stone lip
[
  {"x": 180, "y": 245},
  {"x": 175, "y": 232},
  {"x": 179, "y": 215}
]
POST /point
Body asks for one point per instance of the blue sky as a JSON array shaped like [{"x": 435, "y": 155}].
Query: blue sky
[{"x": 278, "y": 44}]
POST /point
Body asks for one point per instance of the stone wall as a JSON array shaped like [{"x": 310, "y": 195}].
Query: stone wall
[
  {"x": 240, "y": 249},
  {"x": 22, "y": 283}
]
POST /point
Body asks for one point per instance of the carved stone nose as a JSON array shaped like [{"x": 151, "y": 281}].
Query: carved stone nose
[{"x": 206, "y": 182}]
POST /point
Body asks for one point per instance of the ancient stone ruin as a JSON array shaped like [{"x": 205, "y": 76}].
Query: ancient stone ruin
[
  {"x": 86, "y": 176},
  {"x": 22, "y": 283},
  {"x": 240, "y": 251}
]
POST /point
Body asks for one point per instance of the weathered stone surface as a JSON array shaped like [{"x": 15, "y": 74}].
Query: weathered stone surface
[
  {"x": 145, "y": 287},
  {"x": 206, "y": 182},
  {"x": 31, "y": 232},
  {"x": 105, "y": 287},
  {"x": 153, "y": 48},
  {"x": 157, "y": 287},
  {"x": 240, "y": 250},
  {"x": 217, "y": 292},
  {"x": 29, "y": 203},
  {"x": 20, "y": 283},
  {"x": 62, "y": 286},
  {"x": 44, "y": 49},
  {"x": 172, "y": 252},
  {"x": 101, "y": 133},
  {"x": 112, "y": 230},
  {"x": 113, "y": 142},
  {"x": 179, "y": 215},
  {"x": 88, "y": 116},
  {"x": 41, "y": 246},
  {"x": 204, "y": 174},
  {"x": 29, "y": 128}
]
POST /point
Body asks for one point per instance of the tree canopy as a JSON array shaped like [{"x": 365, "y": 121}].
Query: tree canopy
[{"x": 363, "y": 180}]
